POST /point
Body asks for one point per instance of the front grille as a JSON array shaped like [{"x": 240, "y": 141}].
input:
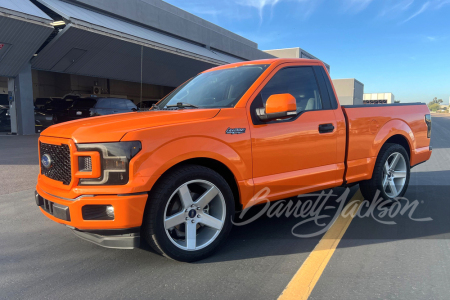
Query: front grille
[{"x": 60, "y": 168}]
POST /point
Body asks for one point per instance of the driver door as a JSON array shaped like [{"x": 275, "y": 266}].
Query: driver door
[{"x": 295, "y": 155}]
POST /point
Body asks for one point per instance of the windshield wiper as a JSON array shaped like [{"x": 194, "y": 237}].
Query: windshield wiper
[{"x": 182, "y": 105}]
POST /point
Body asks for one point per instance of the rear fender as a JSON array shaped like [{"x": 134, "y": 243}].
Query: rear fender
[{"x": 391, "y": 128}]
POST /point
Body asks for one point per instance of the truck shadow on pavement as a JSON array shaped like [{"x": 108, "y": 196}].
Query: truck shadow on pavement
[{"x": 273, "y": 236}]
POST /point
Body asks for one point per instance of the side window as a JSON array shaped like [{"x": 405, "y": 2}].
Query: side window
[
  {"x": 103, "y": 103},
  {"x": 119, "y": 104},
  {"x": 130, "y": 105},
  {"x": 300, "y": 82}
]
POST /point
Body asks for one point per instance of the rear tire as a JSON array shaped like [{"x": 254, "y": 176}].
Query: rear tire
[
  {"x": 188, "y": 213},
  {"x": 390, "y": 175}
]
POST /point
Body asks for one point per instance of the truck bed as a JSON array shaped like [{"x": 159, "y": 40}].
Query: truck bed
[{"x": 369, "y": 126}]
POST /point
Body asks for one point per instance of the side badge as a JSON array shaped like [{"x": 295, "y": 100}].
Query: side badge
[{"x": 235, "y": 130}]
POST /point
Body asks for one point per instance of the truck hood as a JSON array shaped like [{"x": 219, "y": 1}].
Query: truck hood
[{"x": 112, "y": 128}]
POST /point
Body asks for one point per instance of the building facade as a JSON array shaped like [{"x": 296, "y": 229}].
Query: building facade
[
  {"x": 349, "y": 91},
  {"x": 378, "y": 98},
  {"x": 294, "y": 53}
]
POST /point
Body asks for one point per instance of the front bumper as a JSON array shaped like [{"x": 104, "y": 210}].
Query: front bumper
[{"x": 128, "y": 210}]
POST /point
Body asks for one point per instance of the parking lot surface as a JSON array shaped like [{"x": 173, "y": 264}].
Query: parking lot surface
[{"x": 406, "y": 260}]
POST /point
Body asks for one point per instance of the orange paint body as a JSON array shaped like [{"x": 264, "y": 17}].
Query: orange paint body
[{"x": 289, "y": 157}]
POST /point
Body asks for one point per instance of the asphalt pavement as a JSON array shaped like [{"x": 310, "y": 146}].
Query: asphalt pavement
[{"x": 406, "y": 260}]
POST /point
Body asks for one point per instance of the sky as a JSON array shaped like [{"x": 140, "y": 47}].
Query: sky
[{"x": 400, "y": 46}]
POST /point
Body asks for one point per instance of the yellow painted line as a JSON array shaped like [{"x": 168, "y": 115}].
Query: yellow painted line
[{"x": 303, "y": 282}]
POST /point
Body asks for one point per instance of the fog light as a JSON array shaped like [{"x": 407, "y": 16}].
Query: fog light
[
  {"x": 110, "y": 211},
  {"x": 98, "y": 212}
]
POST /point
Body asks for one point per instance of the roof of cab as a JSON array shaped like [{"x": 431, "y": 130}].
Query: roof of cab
[{"x": 266, "y": 62}]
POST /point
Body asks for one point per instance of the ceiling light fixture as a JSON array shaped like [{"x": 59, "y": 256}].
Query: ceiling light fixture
[{"x": 58, "y": 23}]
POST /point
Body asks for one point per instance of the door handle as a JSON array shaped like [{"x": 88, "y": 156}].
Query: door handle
[{"x": 324, "y": 128}]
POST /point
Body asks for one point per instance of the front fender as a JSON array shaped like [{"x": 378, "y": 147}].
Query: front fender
[{"x": 182, "y": 149}]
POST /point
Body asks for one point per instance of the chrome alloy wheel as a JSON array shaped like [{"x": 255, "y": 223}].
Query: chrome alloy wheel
[
  {"x": 194, "y": 215},
  {"x": 394, "y": 175}
]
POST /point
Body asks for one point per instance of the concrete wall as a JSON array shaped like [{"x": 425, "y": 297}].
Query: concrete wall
[
  {"x": 50, "y": 84},
  {"x": 167, "y": 18},
  {"x": 359, "y": 93},
  {"x": 85, "y": 84},
  {"x": 344, "y": 90},
  {"x": 349, "y": 91},
  {"x": 132, "y": 90},
  {"x": 3, "y": 85},
  {"x": 285, "y": 53}
]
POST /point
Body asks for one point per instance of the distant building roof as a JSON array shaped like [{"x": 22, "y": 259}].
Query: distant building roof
[{"x": 295, "y": 52}]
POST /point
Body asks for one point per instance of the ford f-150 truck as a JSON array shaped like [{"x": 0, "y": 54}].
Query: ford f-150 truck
[{"x": 175, "y": 175}]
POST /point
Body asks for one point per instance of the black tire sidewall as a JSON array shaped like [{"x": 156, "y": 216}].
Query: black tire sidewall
[
  {"x": 391, "y": 148},
  {"x": 161, "y": 194}
]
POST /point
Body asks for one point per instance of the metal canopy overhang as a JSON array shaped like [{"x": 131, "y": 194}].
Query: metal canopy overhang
[
  {"x": 94, "y": 44},
  {"x": 24, "y": 9},
  {"x": 82, "y": 52},
  {"x": 22, "y": 32}
]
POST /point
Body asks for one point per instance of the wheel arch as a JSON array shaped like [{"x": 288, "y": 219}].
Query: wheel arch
[
  {"x": 153, "y": 226},
  {"x": 400, "y": 140},
  {"x": 396, "y": 132},
  {"x": 218, "y": 167},
  {"x": 227, "y": 159},
  {"x": 375, "y": 185}
]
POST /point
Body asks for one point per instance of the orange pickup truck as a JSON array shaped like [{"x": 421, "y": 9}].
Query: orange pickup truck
[{"x": 175, "y": 175}]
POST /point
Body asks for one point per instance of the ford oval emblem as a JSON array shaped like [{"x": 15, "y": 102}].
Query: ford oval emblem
[{"x": 46, "y": 161}]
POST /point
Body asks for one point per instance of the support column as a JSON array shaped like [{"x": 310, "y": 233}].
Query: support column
[
  {"x": 22, "y": 108},
  {"x": 12, "y": 105}
]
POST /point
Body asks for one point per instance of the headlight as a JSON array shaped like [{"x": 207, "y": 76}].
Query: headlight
[{"x": 114, "y": 160}]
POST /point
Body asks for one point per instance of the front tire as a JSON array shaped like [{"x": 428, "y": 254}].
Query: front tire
[
  {"x": 390, "y": 175},
  {"x": 188, "y": 214}
]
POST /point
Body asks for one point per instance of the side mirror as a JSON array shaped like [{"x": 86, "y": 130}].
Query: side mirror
[
  {"x": 134, "y": 109},
  {"x": 278, "y": 106}
]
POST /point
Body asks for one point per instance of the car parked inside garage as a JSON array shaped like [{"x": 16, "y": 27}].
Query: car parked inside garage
[{"x": 90, "y": 107}]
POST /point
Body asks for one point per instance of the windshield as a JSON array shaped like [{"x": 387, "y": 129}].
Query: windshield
[{"x": 221, "y": 88}]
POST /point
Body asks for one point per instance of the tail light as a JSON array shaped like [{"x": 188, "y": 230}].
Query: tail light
[{"x": 428, "y": 122}]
